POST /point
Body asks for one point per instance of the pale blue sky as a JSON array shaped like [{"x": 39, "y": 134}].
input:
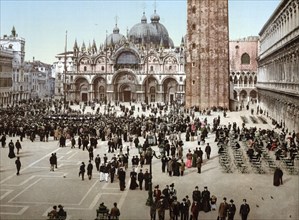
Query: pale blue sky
[{"x": 43, "y": 23}]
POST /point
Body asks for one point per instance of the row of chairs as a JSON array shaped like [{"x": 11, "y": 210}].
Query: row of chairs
[{"x": 225, "y": 160}]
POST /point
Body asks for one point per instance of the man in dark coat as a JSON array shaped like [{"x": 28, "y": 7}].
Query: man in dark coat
[
  {"x": 97, "y": 161},
  {"x": 208, "y": 150},
  {"x": 122, "y": 179},
  {"x": 61, "y": 213},
  {"x": 184, "y": 208},
  {"x": 244, "y": 210},
  {"x": 231, "y": 210},
  {"x": 18, "y": 146},
  {"x": 18, "y": 165},
  {"x": 146, "y": 180},
  {"x": 196, "y": 195},
  {"x": 52, "y": 162},
  {"x": 3, "y": 140},
  {"x": 82, "y": 170},
  {"x": 140, "y": 178},
  {"x": 277, "y": 180},
  {"x": 206, "y": 199},
  {"x": 89, "y": 170}
]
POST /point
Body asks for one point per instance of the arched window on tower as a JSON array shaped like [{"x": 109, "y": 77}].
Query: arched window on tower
[
  {"x": 245, "y": 58},
  {"x": 193, "y": 9},
  {"x": 85, "y": 68}
]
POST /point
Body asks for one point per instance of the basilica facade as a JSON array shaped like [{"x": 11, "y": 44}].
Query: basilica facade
[{"x": 142, "y": 66}]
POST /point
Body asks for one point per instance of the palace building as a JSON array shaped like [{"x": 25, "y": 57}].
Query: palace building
[
  {"x": 142, "y": 66},
  {"x": 278, "y": 65}
]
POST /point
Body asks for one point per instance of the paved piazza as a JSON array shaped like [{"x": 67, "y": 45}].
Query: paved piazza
[{"x": 32, "y": 194}]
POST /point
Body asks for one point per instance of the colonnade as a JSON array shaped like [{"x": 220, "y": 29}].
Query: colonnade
[{"x": 285, "y": 23}]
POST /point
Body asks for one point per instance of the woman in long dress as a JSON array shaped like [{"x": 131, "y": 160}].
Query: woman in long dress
[
  {"x": 133, "y": 176},
  {"x": 189, "y": 159},
  {"x": 277, "y": 180},
  {"x": 11, "y": 153}
]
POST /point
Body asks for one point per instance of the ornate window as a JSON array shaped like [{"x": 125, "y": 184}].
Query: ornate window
[
  {"x": 245, "y": 58},
  {"x": 193, "y": 9}
]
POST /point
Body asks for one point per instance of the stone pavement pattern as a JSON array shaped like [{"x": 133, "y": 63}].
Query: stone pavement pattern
[{"x": 32, "y": 194}]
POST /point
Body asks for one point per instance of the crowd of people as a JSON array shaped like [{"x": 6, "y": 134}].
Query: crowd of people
[{"x": 41, "y": 120}]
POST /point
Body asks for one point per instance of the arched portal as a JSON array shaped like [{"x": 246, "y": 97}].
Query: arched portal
[
  {"x": 124, "y": 85},
  {"x": 99, "y": 89},
  {"x": 151, "y": 88},
  {"x": 243, "y": 96},
  {"x": 125, "y": 93},
  {"x": 81, "y": 89},
  {"x": 170, "y": 88}
]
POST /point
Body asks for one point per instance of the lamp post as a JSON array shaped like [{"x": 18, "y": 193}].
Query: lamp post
[{"x": 149, "y": 154}]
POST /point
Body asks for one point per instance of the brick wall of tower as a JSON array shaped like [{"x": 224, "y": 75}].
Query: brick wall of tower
[{"x": 207, "y": 59}]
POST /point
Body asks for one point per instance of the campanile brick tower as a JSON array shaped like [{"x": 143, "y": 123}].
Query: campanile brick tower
[{"x": 207, "y": 56}]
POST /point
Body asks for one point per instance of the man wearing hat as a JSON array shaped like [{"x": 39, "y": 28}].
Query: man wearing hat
[
  {"x": 231, "y": 210},
  {"x": 140, "y": 178},
  {"x": 244, "y": 210},
  {"x": 184, "y": 208},
  {"x": 157, "y": 193},
  {"x": 53, "y": 214},
  {"x": 222, "y": 212},
  {"x": 196, "y": 196},
  {"x": 206, "y": 199},
  {"x": 61, "y": 213}
]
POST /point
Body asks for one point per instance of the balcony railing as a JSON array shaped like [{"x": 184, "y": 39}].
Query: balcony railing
[{"x": 287, "y": 87}]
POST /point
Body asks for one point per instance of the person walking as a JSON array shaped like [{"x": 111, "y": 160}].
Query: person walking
[
  {"x": 140, "y": 178},
  {"x": 82, "y": 170},
  {"x": 55, "y": 160},
  {"x": 114, "y": 212},
  {"x": 184, "y": 209},
  {"x": 97, "y": 161},
  {"x": 231, "y": 210},
  {"x": 277, "y": 178},
  {"x": 61, "y": 213},
  {"x": 18, "y": 165},
  {"x": 89, "y": 170},
  {"x": 52, "y": 162},
  {"x": 208, "y": 151},
  {"x": 146, "y": 180},
  {"x": 11, "y": 153},
  {"x": 73, "y": 142},
  {"x": 18, "y": 146},
  {"x": 3, "y": 140},
  {"x": 53, "y": 214},
  {"x": 244, "y": 210},
  {"x": 122, "y": 179},
  {"x": 198, "y": 164},
  {"x": 195, "y": 210},
  {"x": 222, "y": 212}
]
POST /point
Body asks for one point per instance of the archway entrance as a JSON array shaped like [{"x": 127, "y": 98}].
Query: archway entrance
[
  {"x": 125, "y": 93},
  {"x": 124, "y": 87},
  {"x": 170, "y": 87},
  {"x": 81, "y": 89},
  {"x": 84, "y": 97}
]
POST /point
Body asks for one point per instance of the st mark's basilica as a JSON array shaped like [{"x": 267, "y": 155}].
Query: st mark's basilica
[{"x": 142, "y": 66}]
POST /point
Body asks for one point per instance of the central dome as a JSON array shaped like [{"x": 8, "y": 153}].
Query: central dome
[{"x": 153, "y": 33}]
